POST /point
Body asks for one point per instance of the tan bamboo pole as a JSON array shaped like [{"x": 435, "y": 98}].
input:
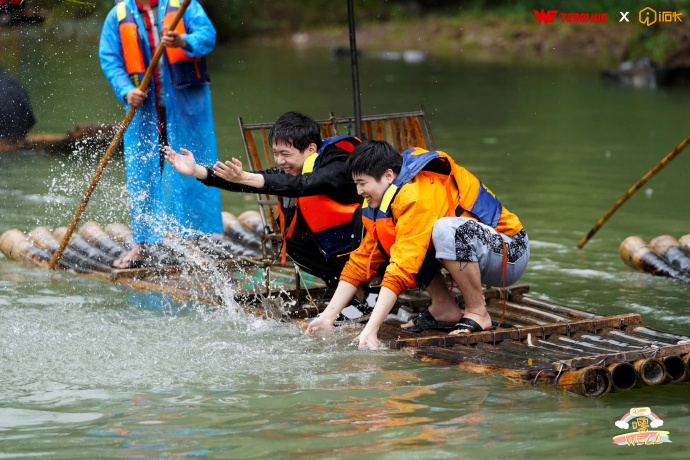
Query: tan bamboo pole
[
  {"x": 114, "y": 143},
  {"x": 679, "y": 148}
]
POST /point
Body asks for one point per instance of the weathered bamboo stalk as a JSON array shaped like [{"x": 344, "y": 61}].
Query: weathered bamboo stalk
[
  {"x": 676, "y": 368},
  {"x": 239, "y": 233},
  {"x": 651, "y": 371},
  {"x": 659, "y": 335},
  {"x": 527, "y": 315},
  {"x": 623, "y": 376},
  {"x": 684, "y": 242},
  {"x": 96, "y": 235},
  {"x": 669, "y": 249},
  {"x": 43, "y": 238},
  {"x": 558, "y": 309},
  {"x": 635, "y": 252},
  {"x": 487, "y": 359},
  {"x": 16, "y": 246},
  {"x": 588, "y": 343},
  {"x": 562, "y": 348},
  {"x": 610, "y": 344},
  {"x": 639, "y": 340},
  {"x": 534, "y": 351},
  {"x": 82, "y": 246},
  {"x": 593, "y": 381},
  {"x": 686, "y": 360},
  {"x": 629, "y": 356}
]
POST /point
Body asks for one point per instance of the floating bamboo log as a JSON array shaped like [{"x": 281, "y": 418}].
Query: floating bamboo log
[
  {"x": 669, "y": 249},
  {"x": 676, "y": 368},
  {"x": 15, "y": 245},
  {"x": 44, "y": 239},
  {"x": 623, "y": 376},
  {"x": 637, "y": 254},
  {"x": 252, "y": 221},
  {"x": 96, "y": 235},
  {"x": 82, "y": 246},
  {"x": 651, "y": 371},
  {"x": 593, "y": 381},
  {"x": 239, "y": 233}
]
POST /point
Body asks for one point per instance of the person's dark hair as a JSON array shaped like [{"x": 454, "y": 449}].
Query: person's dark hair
[
  {"x": 373, "y": 158},
  {"x": 295, "y": 129}
]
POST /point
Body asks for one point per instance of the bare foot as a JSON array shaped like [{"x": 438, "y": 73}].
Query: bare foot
[{"x": 130, "y": 259}]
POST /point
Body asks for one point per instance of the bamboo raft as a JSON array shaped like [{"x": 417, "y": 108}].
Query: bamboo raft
[
  {"x": 662, "y": 256},
  {"x": 181, "y": 268},
  {"x": 538, "y": 342}
]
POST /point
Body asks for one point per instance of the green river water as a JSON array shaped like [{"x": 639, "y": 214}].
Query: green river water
[{"x": 95, "y": 370}]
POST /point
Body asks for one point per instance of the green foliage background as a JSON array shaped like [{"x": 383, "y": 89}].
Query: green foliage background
[{"x": 236, "y": 20}]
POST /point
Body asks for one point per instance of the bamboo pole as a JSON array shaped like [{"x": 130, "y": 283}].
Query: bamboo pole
[
  {"x": 659, "y": 166},
  {"x": 114, "y": 143}
]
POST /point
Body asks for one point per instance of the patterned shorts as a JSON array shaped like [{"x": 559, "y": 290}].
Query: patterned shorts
[{"x": 466, "y": 240}]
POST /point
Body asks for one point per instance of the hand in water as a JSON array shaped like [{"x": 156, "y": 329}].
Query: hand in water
[{"x": 320, "y": 325}]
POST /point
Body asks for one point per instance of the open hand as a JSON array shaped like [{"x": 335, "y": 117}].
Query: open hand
[
  {"x": 231, "y": 170},
  {"x": 184, "y": 164}
]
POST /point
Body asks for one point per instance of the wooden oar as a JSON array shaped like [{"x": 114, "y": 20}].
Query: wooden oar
[
  {"x": 679, "y": 148},
  {"x": 114, "y": 143}
]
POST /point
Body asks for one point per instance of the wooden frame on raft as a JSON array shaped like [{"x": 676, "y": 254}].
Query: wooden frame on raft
[{"x": 402, "y": 130}]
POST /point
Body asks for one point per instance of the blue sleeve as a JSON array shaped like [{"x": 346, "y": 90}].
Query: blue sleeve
[
  {"x": 201, "y": 35},
  {"x": 110, "y": 56}
]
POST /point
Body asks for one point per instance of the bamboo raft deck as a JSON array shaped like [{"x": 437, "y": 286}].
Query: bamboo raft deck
[{"x": 538, "y": 342}]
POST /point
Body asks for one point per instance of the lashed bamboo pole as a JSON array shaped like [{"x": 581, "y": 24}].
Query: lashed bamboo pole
[{"x": 114, "y": 143}]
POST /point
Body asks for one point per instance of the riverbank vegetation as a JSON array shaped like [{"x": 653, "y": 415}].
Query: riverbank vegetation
[{"x": 479, "y": 29}]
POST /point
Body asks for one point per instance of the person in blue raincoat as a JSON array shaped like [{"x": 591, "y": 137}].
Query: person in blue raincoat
[{"x": 175, "y": 110}]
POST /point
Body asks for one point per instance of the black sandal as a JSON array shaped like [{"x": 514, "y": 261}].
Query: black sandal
[
  {"x": 469, "y": 325},
  {"x": 425, "y": 320}
]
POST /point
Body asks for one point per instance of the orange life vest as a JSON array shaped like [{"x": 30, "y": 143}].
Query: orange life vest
[
  {"x": 329, "y": 221},
  {"x": 184, "y": 70}
]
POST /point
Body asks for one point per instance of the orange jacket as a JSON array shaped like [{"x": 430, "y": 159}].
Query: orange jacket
[{"x": 429, "y": 186}]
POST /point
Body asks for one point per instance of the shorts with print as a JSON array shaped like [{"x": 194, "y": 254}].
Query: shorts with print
[{"x": 466, "y": 240}]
